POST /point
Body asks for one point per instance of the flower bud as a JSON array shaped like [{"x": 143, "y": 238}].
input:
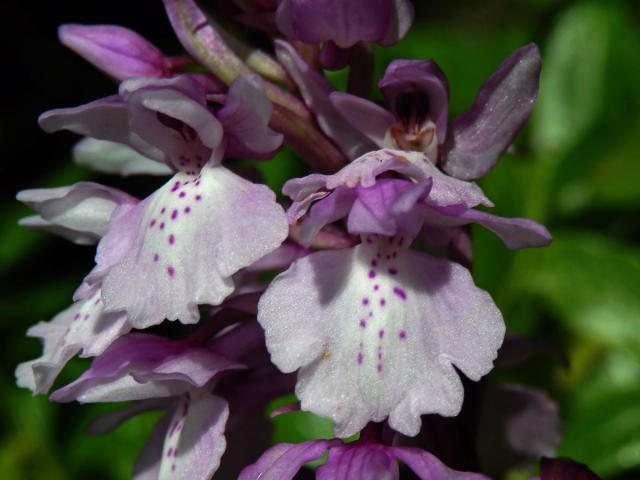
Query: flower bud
[{"x": 119, "y": 52}]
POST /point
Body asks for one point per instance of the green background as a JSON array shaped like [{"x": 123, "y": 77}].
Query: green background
[{"x": 575, "y": 168}]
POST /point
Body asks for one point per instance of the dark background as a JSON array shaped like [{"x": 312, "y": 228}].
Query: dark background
[{"x": 576, "y": 168}]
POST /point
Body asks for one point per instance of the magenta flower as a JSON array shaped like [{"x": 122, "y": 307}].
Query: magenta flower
[
  {"x": 363, "y": 459},
  {"x": 117, "y": 51},
  {"x": 374, "y": 331},
  {"x": 345, "y": 22},
  {"x": 417, "y": 94},
  {"x": 179, "y": 247}
]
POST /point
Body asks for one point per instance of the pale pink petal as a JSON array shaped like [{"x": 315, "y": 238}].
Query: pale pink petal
[
  {"x": 81, "y": 329},
  {"x": 375, "y": 332},
  {"x": 115, "y": 158},
  {"x": 191, "y": 236}
]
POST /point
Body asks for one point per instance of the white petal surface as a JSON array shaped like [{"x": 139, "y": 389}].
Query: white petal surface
[
  {"x": 193, "y": 234},
  {"x": 115, "y": 158},
  {"x": 376, "y": 330},
  {"x": 193, "y": 441},
  {"x": 84, "y": 207},
  {"x": 82, "y": 328}
]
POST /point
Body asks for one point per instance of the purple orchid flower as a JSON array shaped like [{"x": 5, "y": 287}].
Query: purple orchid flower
[
  {"x": 341, "y": 24},
  {"x": 417, "y": 94},
  {"x": 117, "y": 51},
  {"x": 81, "y": 213},
  {"x": 374, "y": 330},
  {"x": 182, "y": 377},
  {"x": 179, "y": 247},
  {"x": 364, "y": 459}
]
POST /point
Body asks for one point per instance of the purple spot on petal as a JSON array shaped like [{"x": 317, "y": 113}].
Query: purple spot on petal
[
  {"x": 163, "y": 210},
  {"x": 156, "y": 257},
  {"x": 400, "y": 292},
  {"x": 370, "y": 314},
  {"x": 198, "y": 198},
  {"x": 77, "y": 316},
  {"x": 382, "y": 302},
  {"x": 372, "y": 274},
  {"x": 187, "y": 209},
  {"x": 369, "y": 240},
  {"x": 174, "y": 214},
  {"x": 182, "y": 194},
  {"x": 381, "y": 334},
  {"x": 365, "y": 301},
  {"x": 363, "y": 323},
  {"x": 170, "y": 271},
  {"x": 393, "y": 271},
  {"x": 173, "y": 467},
  {"x": 152, "y": 222},
  {"x": 170, "y": 452},
  {"x": 374, "y": 263},
  {"x": 86, "y": 316},
  {"x": 402, "y": 335},
  {"x": 172, "y": 239},
  {"x": 376, "y": 287},
  {"x": 379, "y": 367},
  {"x": 162, "y": 226},
  {"x": 360, "y": 358}
]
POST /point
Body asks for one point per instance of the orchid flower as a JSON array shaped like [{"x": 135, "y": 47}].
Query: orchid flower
[
  {"x": 341, "y": 24},
  {"x": 179, "y": 247},
  {"x": 364, "y": 459},
  {"x": 375, "y": 330}
]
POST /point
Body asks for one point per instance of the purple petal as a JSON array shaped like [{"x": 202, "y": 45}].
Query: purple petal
[
  {"x": 503, "y": 105},
  {"x": 115, "y": 158},
  {"x": 345, "y": 22},
  {"x": 405, "y": 77},
  {"x": 371, "y": 119},
  {"x": 139, "y": 366},
  {"x": 172, "y": 115},
  {"x": 364, "y": 462},
  {"x": 315, "y": 90},
  {"x": 284, "y": 460},
  {"x": 188, "y": 239},
  {"x": 190, "y": 444},
  {"x": 517, "y": 424},
  {"x": 387, "y": 208},
  {"x": 565, "y": 469},
  {"x": 375, "y": 331},
  {"x": 117, "y": 51},
  {"x": 81, "y": 329},
  {"x": 104, "y": 119},
  {"x": 332, "y": 57},
  {"x": 245, "y": 117},
  {"x": 85, "y": 207},
  {"x": 428, "y": 467},
  {"x": 324, "y": 212},
  {"x": 514, "y": 232}
]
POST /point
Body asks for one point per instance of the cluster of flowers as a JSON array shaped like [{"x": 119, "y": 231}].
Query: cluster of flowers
[{"x": 374, "y": 314}]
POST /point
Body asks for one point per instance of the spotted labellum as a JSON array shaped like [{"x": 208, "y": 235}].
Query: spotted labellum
[{"x": 352, "y": 291}]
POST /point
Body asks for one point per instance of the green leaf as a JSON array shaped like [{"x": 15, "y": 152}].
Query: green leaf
[
  {"x": 572, "y": 83},
  {"x": 591, "y": 283},
  {"x": 602, "y": 425}
]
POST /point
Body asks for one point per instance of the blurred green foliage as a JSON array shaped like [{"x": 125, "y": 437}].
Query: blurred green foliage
[{"x": 576, "y": 168}]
